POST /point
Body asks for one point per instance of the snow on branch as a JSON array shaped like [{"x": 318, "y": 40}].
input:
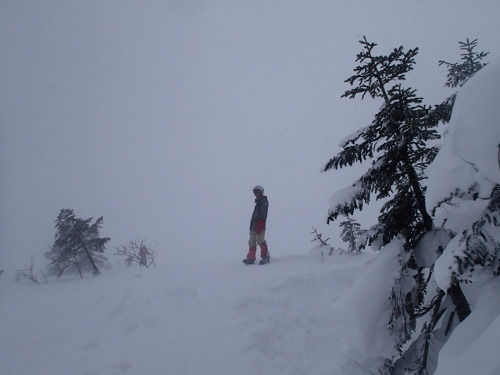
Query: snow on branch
[
  {"x": 346, "y": 200},
  {"x": 352, "y": 138}
]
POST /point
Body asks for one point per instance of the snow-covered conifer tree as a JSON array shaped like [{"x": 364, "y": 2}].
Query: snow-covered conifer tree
[
  {"x": 478, "y": 249},
  {"x": 77, "y": 246},
  {"x": 459, "y": 73},
  {"x": 396, "y": 141},
  {"x": 399, "y": 143},
  {"x": 350, "y": 232}
]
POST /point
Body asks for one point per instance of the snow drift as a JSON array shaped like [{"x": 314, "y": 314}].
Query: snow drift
[{"x": 468, "y": 158}]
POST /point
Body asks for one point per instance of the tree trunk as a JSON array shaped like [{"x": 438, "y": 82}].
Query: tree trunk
[
  {"x": 436, "y": 315},
  {"x": 417, "y": 190},
  {"x": 94, "y": 266},
  {"x": 457, "y": 296}
]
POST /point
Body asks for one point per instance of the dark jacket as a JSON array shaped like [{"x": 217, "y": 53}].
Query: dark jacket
[{"x": 259, "y": 212}]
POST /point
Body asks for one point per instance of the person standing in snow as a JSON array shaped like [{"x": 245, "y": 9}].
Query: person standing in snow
[
  {"x": 143, "y": 254},
  {"x": 258, "y": 228}
]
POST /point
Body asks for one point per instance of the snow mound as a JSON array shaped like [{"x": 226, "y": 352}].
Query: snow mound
[
  {"x": 469, "y": 156},
  {"x": 474, "y": 343}
]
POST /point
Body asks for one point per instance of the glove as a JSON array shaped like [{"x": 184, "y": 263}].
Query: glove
[{"x": 259, "y": 228}]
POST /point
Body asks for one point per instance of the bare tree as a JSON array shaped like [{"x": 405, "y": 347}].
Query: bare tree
[
  {"x": 132, "y": 253},
  {"x": 28, "y": 273}
]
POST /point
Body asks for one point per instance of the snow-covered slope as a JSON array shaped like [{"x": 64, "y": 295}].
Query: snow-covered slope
[{"x": 193, "y": 318}]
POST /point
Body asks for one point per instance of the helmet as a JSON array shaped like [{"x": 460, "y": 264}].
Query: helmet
[{"x": 260, "y": 188}]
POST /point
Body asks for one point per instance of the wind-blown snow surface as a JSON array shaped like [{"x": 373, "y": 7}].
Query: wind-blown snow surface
[{"x": 193, "y": 318}]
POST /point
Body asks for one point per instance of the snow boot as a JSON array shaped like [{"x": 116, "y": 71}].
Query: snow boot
[
  {"x": 264, "y": 254},
  {"x": 251, "y": 256}
]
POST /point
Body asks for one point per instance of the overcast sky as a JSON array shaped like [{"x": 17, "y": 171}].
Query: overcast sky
[{"x": 162, "y": 115}]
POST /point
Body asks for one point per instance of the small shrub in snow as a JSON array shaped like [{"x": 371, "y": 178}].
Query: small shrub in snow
[
  {"x": 28, "y": 273},
  {"x": 132, "y": 253}
]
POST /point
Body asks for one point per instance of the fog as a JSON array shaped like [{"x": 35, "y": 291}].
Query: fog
[{"x": 162, "y": 115}]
